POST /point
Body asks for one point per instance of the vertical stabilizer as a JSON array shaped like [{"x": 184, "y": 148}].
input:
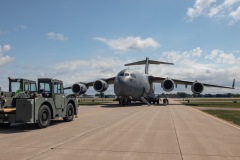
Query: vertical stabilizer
[
  {"x": 233, "y": 85},
  {"x": 146, "y": 65},
  {"x": 147, "y": 62}
]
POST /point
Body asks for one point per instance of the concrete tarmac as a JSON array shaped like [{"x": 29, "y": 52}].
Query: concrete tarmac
[{"x": 139, "y": 132}]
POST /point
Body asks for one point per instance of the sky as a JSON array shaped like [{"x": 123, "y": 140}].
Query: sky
[{"x": 85, "y": 40}]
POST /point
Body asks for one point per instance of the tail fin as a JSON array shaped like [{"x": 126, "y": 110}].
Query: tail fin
[
  {"x": 233, "y": 85},
  {"x": 147, "y": 62}
]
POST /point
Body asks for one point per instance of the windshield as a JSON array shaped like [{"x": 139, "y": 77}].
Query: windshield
[
  {"x": 124, "y": 73},
  {"x": 15, "y": 86},
  {"x": 45, "y": 87}
]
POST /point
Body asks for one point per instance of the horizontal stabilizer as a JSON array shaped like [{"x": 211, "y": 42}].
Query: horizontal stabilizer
[{"x": 147, "y": 62}]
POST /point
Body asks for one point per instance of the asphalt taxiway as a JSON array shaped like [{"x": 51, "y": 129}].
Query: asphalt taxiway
[{"x": 142, "y": 132}]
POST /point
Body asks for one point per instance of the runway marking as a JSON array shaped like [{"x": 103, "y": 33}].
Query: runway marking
[{"x": 216, "y": 118}]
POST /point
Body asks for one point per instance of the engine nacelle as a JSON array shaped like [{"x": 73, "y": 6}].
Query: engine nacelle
[
  {"x": 197, "y": 87},
  {"x": 168, "y": 85},
  {"x": 100, "y": 86},
  {"x": 79, "y": 88}
]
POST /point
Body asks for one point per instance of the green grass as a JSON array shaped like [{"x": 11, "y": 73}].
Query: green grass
[
  {"x": 231, "y": 116},
  {"x": 229, "y": 104},
  {"x": 212, "y": 99}
]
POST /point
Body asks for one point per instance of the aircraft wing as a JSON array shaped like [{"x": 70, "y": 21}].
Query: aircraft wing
[
  {"x": 99, "y": 85},
  {"x": 107, "y": 80},
  {"x": 183, "y": 82}
]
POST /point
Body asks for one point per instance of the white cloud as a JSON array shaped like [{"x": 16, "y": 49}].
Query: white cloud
[
  {"x": 196, "y": 52},
  {"x": 228, "y": 9},
  {"x": 235, "y": 15},
  {"x": 213, "y": 54},
  {"x": 5, "y": 48},
  {"x": 4, "y": 59},
  {"x": 88, "y": 70},
  {"x": 177, "y": 56},
  {"x": 221, "y": 57},
  {"x": 221, "y": 9},
  {"x": 56, "y": 36},
  {"x": 227, "y": 59},
  {"x": 129, "y": 43},
  {"x": 199, "y": 7}
]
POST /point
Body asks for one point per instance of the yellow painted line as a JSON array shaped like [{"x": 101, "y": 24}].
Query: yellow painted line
[{"x": 216, "y": 118}]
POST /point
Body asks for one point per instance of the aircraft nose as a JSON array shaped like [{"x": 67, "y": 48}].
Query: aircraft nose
[{"x": 122, "y": 85}]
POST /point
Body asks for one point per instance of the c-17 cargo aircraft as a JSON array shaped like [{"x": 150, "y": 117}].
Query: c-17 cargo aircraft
[{"x": 131, "y": 85}]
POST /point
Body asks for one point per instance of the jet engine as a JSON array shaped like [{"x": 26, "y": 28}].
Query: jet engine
[
  {"x": 168, "y": 85},
  {"x": 100, "y": 86},
  {"x": 79, "y": 88},
  {"x": 197, "y": 87}
]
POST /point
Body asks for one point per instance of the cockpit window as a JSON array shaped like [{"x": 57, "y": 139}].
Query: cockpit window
[
  {"x": 121, "y": 74},
  {"x": 126, "y": 74},
  {"x": 133, "y": 75}
]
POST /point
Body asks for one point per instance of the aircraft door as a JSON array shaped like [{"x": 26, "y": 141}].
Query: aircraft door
[{"x": 58, "y": 95}]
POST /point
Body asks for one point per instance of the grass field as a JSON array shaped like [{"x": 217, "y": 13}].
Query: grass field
[
  {"x": 223, "y": 104},
  {"x": 211, "y": 99},
  {"x": 228, "y": 115},
  {"x": 231, "y": 116}
]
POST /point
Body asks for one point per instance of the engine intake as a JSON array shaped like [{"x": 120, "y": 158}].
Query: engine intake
[
  {"x": 79, "y": 88},
  {"x": 100, "y": 86},
  {"x": 197, "y": 87},
  {"x": 168, "y": 85}
]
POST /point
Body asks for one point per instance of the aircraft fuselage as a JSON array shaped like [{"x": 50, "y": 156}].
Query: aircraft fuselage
[{"x": 131, "y": 84}]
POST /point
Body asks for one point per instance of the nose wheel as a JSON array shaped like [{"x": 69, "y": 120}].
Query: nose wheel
[{"x": 124, "y": 101}]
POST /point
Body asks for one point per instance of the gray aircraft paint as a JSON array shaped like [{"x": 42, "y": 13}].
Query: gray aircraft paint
[{"x": 135, "y": 86}]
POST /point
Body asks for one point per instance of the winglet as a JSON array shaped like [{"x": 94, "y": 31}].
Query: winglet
[{"x": 233, "y": 85}]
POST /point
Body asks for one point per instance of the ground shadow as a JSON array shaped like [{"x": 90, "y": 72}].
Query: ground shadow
[
  {"x": 19, "y": 128},
  {"x": 137, "y": 104}
]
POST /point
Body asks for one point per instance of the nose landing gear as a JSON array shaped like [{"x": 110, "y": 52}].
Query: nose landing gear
[{"x": 124, "y": 101}]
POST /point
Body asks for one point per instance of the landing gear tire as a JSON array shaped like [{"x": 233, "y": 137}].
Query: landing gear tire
[
  {"x": 5, "y": 125},
  {"x": 122, "y": 102},
  {"x": 128, "y": 102},
  {"x": 44, "y": 117},
  {"x": 69, "y": 113},
  {"x": 125, "y": 102}
]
